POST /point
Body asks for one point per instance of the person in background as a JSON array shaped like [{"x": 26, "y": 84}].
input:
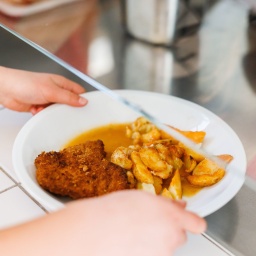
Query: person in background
[{"x": 128, "y": 222}]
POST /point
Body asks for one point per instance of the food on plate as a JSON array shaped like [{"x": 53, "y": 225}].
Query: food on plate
[
  {"x": 141, "y": 156},
  {"x": 80, "y": 171},
  {"x": 207, "y": 173},
  {"x": 163, "y": 163}
]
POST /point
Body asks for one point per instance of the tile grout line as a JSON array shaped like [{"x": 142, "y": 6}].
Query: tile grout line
[
  {"x": 18, "y": 184},
  {"x": 32, "y": 198},
  {"x": 8, "y": 175},
  {"x": 6, "y": 189}
]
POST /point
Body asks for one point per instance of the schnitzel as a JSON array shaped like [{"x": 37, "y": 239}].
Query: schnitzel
[{"x": 80, "y": 171}]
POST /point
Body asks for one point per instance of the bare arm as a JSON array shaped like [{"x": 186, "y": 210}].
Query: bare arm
[
  {"x": 122, "y": 223},
  {"x": 31, "y": 92}
]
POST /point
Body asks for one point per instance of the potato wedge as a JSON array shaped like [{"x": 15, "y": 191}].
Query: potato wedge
[
  {"x": 195, "y": 136},
  {"x": 158, "y": 184},
  {"x": 163, "y": 174},
  {"x": 189, "y": 163},
  {"x": 175, "y": 187},
  {"x": 166, "y": 193},
  {"x": 226, "y": 158},
  {"x": 121, "y": 157},
  {"x": 206, "y": 180},
  {"x": 151, "y": 158},
  {"x": 198, "y": 157},
  {"x": 140, "y": 170},
  {"x": 146, "y": 187},
  {"x": 206, "y": 167}
]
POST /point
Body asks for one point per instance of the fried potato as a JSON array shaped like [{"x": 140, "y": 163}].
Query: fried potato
[
  {"x": 163, "y": 174},
  {"x": 140, "y": 170},
  {"x": 152, "y": 159},
  {"x": 146, "y": 187},
  {"x": 166, "y": 193},
  {"x": 131, "y": 178},
  {"x": 206, "y": 173},
  {"x": 153, "y": 134},
  {"x": 183, "y": 172},
  {"x": 189, "y": 163},
  {"x": 159, "y": 161},
  {"x": 176, "y": 153},
  {"x": 175, "y": 187},
  {"x": 171, "y": 154},
  {"x": 120, "y": 157},
  {"x": 206, "y": 166},
  {"x": 198, "y": 157},
  {"x": 164, "y": 153},
  {"x": 142, "y": 131},
  {"x": 226, "y": 158},
  {"x": 206, "y": 180},
  {"x": 195, "y": 136},
  {"x": 158, "y": 184}
]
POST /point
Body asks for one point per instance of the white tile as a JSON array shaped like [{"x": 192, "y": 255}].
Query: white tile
[
  {"x": 16, "y": 207},
  {"x": 5, "y": 181},
  {"x": 198, "y": 245},
  {"x": 10, "y": 124}
]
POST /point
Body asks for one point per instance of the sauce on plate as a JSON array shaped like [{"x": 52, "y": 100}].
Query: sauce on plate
[{"x": 112, "y": 135}]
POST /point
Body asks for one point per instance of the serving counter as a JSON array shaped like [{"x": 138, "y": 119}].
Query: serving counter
[{"x": 211, "y": 62}]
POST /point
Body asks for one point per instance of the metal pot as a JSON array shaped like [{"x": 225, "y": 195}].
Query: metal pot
[
  {"x": 151, "y": 20},
  {"x": 161, "y": 22}
]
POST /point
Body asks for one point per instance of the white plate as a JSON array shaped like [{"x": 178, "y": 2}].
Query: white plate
[{"x": 56, "y": 125}]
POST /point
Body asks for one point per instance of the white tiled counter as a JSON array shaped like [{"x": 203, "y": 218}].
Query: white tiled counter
[{"x": 18, "y": 206}]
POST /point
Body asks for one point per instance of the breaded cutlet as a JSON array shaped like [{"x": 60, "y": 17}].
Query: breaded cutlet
[{"x": 80, "y": 171}]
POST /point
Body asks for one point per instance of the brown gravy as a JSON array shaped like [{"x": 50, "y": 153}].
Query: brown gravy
[{"x": 113, "y": 136}]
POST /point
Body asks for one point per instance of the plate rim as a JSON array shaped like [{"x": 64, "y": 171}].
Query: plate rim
[{"x": 53, "y": 204}]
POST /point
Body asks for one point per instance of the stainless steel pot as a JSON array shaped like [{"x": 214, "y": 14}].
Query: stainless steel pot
[{"x": 151, "y": 20}]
